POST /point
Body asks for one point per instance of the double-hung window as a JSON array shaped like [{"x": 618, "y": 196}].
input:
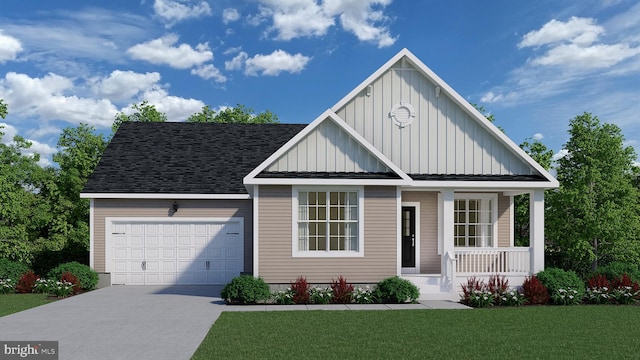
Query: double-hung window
[
  {"x": 328, "y": 222},
  {"x": 475, "y": 220}
]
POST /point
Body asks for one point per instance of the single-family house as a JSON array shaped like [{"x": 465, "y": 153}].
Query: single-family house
[{"x": 401, "y": 177}]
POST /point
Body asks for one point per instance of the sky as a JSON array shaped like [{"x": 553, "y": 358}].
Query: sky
[{"x": 534, "y": 65}]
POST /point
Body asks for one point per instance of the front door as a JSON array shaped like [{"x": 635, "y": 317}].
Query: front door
[{"x": 408, "y": 237}]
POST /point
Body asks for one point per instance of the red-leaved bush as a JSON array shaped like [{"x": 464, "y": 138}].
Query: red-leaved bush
[
  {"x": 472, "y": 285},
  {"x": 342, "y": 291},
  {"x": 300, "y": 290},
  {"x": 625, "y": 281},
  {"x": 498, "y": 284},
  {"x": 534, "y": 291},
  {"x": 69, "y": 277},
  {"x": 598, "y": 281},
  {"x": 26, "y": 282}
]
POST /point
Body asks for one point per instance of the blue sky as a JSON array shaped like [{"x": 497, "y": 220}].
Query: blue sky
[{"x": 534, "y": 64}]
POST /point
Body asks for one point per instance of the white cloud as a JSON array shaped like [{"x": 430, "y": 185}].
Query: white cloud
[
  {"x": 573, "y": 44},
  {"x": 43, "y": 131},
  {"x": 162, "y": 51},
  {"x": 360, "y": 18},
  {"x": 176, "y": 108},
  {"x": 209, "y": 71},
  {"x": 174, "y": 11},
  {"x": 230, "y": 15},
  {"x": 310, "y": 18},
  {"x": 298, "y": 18},
  {"x": 50, "y": 98},
  {"x": 576, "y": 30},
  {"x": 560, "y": 154},
  {"x": 275, "y": 63},
  {"x": 592, "y": 57},
  {"x": 538, "y": 136},
  {"x": 237, "y": 62},
  {"x": 9, "y": 47},
  {"x": 124, "y": 85}
]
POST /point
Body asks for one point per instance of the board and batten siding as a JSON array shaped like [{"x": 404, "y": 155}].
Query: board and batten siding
[
  {"x": 328, "y": 148},
  {"x": 442, "y": 139},
  {"x": 429, "y": 258},
  {"x": 277, "y": 266},
  {"x": 104, "y": 208}
]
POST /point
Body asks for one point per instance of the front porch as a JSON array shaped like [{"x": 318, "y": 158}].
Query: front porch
[
  {"x": 514, "y": 263},
  {"x": 476, "y": 241}
]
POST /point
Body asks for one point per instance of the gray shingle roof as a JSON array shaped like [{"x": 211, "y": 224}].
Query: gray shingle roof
[{"x": 185, "y": 158}]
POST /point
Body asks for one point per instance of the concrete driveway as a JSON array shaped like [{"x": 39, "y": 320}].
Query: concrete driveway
[{"x": 121, "y": 322}]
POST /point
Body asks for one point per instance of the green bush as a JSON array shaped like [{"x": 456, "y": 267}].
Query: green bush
[
  {"x": 557, "y": 280},
  {"x": 245, "y": 289},
  {"x": 13, "y": 270},
  {"x": 617, "y": 269},
  {"x": 395, "y": 290},
  {"x": 88, "y": 277}
]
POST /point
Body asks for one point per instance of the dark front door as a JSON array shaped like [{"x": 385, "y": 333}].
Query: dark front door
[{"x": 408, "y": 236}]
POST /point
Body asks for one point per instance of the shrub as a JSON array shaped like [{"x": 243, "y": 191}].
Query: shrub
[
  {"x": 26, "y": 282},
  {"x": 87, "y": 277},
  {"x": 300, "y": 290},
  {"x": 342, "y": 291},
  {"x": 245, "y": 289},
  {"x": 321, "y": 295},
  {"x": 511, "y": 297},
  {"x": 283, "y": 297},
  {"x": 534, "y": 291},
  {"x": 61, "y": 288},
  {"x": 7, "y": 286},
  {"x": 567, "y": 296},
  {"x": 624, "y": 290},
  {"x": 12, "y": 269},
  {"x": 555, "y": 279},
  {"x": 498, "y": 287},
  {"x": 472, "y": 286},
  {"x": 617, "y": 269},
  {"x": 598, "y": 288},
  {"x": 44, "y": 286},
  {"x": 363, "y": 295},
  {"x": 68, "y": 277},
  {"x": 395, "y": 290}
]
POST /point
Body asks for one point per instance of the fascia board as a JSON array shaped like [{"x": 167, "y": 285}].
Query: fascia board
[{"x": 164, "y": 196}]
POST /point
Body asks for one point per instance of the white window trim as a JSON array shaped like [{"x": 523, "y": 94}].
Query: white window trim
[
  {"x": 494, "y": 216},
  {"x": 326, "y": 254}
]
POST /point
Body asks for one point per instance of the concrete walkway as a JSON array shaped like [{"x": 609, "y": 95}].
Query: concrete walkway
[{"x": 144, "y": 322}]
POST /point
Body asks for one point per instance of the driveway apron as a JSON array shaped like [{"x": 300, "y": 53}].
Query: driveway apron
[{"x": 121, "y": 322}]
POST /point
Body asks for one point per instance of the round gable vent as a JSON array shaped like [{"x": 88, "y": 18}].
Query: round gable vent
[{"x": 402, "y": 114}]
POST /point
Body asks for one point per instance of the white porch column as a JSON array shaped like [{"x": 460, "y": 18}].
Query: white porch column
[
  {"x": 536, "y": 230},
  {"x": 447, "y": 229}
]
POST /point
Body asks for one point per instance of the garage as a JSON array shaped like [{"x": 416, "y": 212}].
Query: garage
[{"x": 163, "y": 251}]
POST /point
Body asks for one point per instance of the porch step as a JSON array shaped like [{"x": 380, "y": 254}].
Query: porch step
[{"x": 430, "y": 287}]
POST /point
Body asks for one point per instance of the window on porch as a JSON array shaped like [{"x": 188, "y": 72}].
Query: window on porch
[{"x": 474, "y": 220}]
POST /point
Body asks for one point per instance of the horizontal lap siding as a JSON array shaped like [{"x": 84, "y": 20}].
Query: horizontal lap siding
[
  {"x": 504, "y": 221},
  {"x": 275, "y": 241},
  {"x": 104, "y": 208},
  {"x": 429, "y": 258}
]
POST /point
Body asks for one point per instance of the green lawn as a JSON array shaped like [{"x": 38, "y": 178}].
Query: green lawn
[
  {"x": 536, "y": 332},
  {"x": 12, "y": 303}
]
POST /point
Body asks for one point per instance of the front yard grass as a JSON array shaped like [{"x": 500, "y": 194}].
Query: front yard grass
[
  {"x": 12, "y": 303},
  {"x": 533, "y": 332}
]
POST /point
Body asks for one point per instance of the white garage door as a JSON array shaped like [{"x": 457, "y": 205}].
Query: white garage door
[{"x": 168, "y": 252}]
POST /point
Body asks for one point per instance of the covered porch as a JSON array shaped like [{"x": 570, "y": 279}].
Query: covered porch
[{"x": 473, "y": 236}]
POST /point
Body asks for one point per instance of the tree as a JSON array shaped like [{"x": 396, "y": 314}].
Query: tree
[
  {"x": 543, "y": 156},
  {"x": 236, "y": 115},
  {"x": 24, "y": 211},
  {"x": 3, "y": 109},
  {"x": 143, "y": 113},
  {"x": 593, "y": 217}
]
